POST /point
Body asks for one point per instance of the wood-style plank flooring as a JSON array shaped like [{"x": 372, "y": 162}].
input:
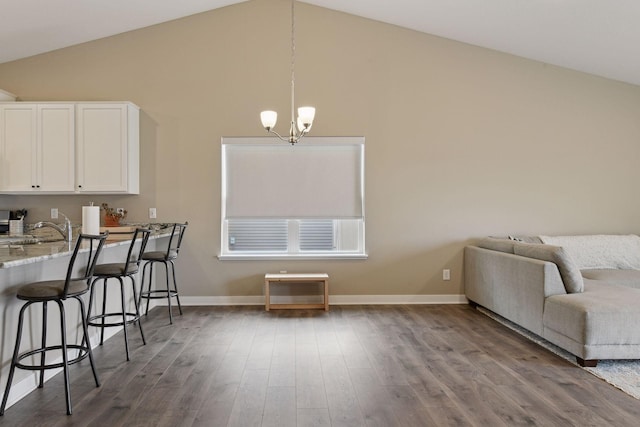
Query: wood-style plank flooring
[{"x": 386, "y": 366}]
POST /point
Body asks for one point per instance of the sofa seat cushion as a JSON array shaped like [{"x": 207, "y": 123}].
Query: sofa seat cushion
[
  {"x": 630, "y": 278},
  {"x": 604, "y": 314}
]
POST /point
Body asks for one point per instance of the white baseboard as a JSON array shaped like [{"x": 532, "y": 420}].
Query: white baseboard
[{"x": 333, "y": 299}]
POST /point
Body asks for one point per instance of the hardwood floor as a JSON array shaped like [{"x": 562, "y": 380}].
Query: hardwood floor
[{"x": 355, "y": 365}]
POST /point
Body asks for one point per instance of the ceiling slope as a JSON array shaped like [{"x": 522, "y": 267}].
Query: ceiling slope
[{"x": 594, "y": 36}]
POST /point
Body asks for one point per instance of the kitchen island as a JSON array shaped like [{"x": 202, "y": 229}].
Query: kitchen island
[{"x": 46, "y": 260}]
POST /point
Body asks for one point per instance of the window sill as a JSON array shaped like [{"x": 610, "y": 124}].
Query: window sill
[{"x": 289, "y": 257}]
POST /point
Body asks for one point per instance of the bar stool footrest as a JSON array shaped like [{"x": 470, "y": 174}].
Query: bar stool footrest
[
  {"x": 84, "y": 352},
  {"x": 162, "y": 292},
  {"x": 131, "y": 318}
]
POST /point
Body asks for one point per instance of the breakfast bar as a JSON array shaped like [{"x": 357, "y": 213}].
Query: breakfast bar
[{"x": 32, "y": 258}]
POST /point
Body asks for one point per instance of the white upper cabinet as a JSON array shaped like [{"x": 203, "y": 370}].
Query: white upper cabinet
[
  {"x": 56, "y": 136},
  {"x": 108, "y": 148},
  {"x": 37, "y": 148},
  {"x": 17, "y": 147},
  {"x": 65, "y": 148}
]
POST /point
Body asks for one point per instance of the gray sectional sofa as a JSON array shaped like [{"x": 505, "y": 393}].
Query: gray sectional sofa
[{"x": 582, "y": 293}]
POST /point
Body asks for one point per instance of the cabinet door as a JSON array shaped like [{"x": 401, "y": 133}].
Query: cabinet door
[
  {"x": 103, "y": 148},
  {"x": 18, "y": 146},
  {"x": 37, "y": 148},
  {"x": 56, "y": 148}
]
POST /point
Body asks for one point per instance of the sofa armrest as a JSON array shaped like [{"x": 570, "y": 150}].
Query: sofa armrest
[{"x": 513, "y": 286}]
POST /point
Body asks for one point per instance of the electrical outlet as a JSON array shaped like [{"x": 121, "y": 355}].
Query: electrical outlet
[
  {"x": 152, "y": 213},
  {"x": 446, "y": 274},
  {"x": 120, "y": 210},
  {"x": 54, "y": 213}
]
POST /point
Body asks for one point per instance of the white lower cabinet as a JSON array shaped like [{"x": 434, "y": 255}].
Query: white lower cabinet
[{"x": 67, "y": 148}]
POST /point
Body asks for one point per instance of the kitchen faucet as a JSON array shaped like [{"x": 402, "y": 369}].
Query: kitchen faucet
[{"x": 65, "y": 229}]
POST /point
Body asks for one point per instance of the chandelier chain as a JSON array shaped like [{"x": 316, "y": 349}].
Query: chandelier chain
[{"x": 293, "y": 59}]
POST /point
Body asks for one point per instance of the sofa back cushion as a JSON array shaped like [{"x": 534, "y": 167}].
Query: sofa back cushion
[
  {"x": 526, "y": 239},
  {"x": 569, "y": 271},
  {"x": 497, "y": 244},
  {"x": 600, "y": 251}
]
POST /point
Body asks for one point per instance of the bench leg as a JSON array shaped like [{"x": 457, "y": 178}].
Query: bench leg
[
  {"x": 326, "y": 295},
  {"x": 266, "y": 295}
]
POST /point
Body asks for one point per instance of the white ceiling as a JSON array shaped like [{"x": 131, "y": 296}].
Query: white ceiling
[{"x": 600, "y": 37}]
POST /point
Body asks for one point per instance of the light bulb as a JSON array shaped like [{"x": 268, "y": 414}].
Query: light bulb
[{"x": 301, "y": 126}]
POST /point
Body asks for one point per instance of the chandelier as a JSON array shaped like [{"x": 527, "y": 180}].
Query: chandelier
[{"x": 302, "y": 125}]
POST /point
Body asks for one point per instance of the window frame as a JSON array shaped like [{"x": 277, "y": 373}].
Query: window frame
[{"x": 293, "y": 247}]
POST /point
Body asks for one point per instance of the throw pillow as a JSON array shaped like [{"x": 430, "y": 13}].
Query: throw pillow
[{"x": 569, "y": 271}]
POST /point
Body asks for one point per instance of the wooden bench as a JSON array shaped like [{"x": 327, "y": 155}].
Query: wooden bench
[{"x": 296, "y": 279}]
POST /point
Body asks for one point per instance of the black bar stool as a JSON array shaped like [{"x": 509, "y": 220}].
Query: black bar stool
[
  {"x": 129, "y": 268},
  {"x": 58, "y": 291},
  {"x": 165, "y": 257}
]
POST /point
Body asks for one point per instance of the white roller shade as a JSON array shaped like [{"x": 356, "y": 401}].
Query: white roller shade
[{"x": 316, "y": 178}]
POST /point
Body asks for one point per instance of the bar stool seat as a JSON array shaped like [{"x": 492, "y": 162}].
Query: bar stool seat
[
  {"x": 58, "y": 291},
  {"x": 160, "y": 255},
  {"x": 51, "y": 289},
  {"x": 116, "y": 269},
  {"x": 119, "y": 271},
  {"x": 166, "y": 257}
]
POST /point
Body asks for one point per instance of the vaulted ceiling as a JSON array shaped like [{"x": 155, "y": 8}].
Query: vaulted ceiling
[{"x": 594, "y": 36}]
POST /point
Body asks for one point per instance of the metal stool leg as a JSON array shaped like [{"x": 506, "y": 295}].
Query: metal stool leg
[
  {"x": 91, "y": 290},
  {"x": 150, "y": 264},
  {"x": 44, "y": 343},
  {"x": 104, "y": 309},
  {"x": 135, "y": 302},
  {"x": 144, "y": 270},
  {"x": 14, "y": 359},
  {"x": 175, "y": 285},
  {"x": 85, "y": 330},
  {"x": 166, "y": 269},
  {"x": 65, "y": 361},
  {"x": 124, "y": 318}
]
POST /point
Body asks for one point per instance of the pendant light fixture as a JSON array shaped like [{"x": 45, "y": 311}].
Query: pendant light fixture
[{"x": 300, "y": 126}]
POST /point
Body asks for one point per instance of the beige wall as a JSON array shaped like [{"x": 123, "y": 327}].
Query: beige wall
[{"x": 461, "y": 142}]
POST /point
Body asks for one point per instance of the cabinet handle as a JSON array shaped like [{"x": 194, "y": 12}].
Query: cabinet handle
[
  {"x": 37, "y": 186},
  {"x": 33, "y": 186},
  {"x": 79, "y": 186}
]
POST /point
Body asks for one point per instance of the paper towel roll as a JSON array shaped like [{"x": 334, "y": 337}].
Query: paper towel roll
[
  {"x": 91, "y": 220},
  {"x": 16, "y": 227}
]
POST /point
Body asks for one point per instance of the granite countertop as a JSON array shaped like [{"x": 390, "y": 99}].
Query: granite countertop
[{"x": 44, "y": 244}]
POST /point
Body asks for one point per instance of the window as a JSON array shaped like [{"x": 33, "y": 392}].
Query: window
[
  {"x": 304, "y": 201},
  {"x": 317, "y": 235}
]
